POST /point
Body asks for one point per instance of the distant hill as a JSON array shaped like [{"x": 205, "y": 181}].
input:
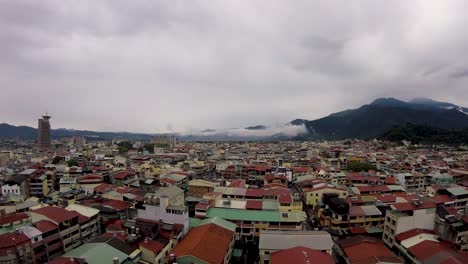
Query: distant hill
[
  {"x": 25, "y": 132},
  {"x": 9, "y": 131},
  {"x": 425, "y": 134},
  {"x": 259, "y": 127},
  {"x": 374, "y": 119}
]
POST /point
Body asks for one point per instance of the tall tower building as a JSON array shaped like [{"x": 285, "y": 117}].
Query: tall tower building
[{"x": 43, "y": 132}]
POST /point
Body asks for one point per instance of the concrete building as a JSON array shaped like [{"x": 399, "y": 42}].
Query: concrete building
[
  {"x": 408, "y": 216},
  {"x": 67, "y": 221},
  {"x": 43, "y": 132},
  {"x": 452, "y": 226},
  {"x": 88, "y": 220},
  {"x": 38, "y": 245},
  {"x": 167, "y": 141},
  {"x": 167, "y": 205},
  {"x": 16, "y": 248},
  {"x": 50, "y": 237}
]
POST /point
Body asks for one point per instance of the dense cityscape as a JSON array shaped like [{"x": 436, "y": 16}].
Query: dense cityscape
[
  {"x": 75, "y": 200},
  {"x": 233, "y": 132}
]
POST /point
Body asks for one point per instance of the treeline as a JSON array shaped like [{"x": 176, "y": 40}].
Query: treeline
[{"x": 422, "y": 134}]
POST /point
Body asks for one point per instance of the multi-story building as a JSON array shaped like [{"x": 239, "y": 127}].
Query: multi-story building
[
  {"x": 50, "y": 237},
  {"x": 406, "y": 216},
  {"x": 17, "y": 188},
  {"x": 16, "y": 248},
  {"x": 342, "y": 218},
  {"x": 67, "y": 221},
  {"x": 452, "y": 226},
  {"x": 413, "y": 182},
  {"x": 38, "y": 245},
  {"x": 88, "y": 220},
  {"x": 38, "y": 185},
  {"x": 164, "y": 141},
  {"x": 199, "y": 187},
  {"x": 43, "y": 132},
  {"x": 167, "y": 205},
  {"x": 312, "y": 196}
]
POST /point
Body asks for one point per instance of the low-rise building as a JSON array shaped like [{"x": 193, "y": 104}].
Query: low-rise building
[
  {"x": 272, "y": 241},
  {"x": 210, "y": 242},
  {"x": 363, "y": 249}
]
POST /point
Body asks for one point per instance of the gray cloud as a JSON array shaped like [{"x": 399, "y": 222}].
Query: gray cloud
[
  {"x": 460, "y": 74},
  {"x": 162, "y": 66},
  {"x": 287, "y": 130}
]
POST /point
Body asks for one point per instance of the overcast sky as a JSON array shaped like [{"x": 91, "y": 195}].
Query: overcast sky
[{"x": 159, "y": 66}]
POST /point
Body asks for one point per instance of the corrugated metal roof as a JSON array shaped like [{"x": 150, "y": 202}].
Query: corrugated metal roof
[
  {"x": 276, "y": 240},
  {"x": 270, "y": 205},
  {"x": 245, "y": 215},
  {"x": 96, "y": 253}
]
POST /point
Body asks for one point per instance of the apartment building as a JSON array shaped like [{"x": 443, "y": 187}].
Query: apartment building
[
  {"x": 16, "y": 248},
  {"x": 38, "y": 245},
  {"x": 67, "y": 221},
  {"x": 406, "y": 216},
  {"x": 167, "y": 204},
  {"x": 88, "y": 220},
  {"x": 50, "y": 237}
]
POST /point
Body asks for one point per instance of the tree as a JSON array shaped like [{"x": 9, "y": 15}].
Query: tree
[
  {"x": 149, "y": 147},
  {"x": 72, "y": 162},
  {"x": 122, "y": 149},
  {"x": 360, "y": 166},
  {"x": 57, "y": 160}
]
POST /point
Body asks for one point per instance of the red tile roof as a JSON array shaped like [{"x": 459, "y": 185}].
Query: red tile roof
[
  {"x": 56, "y": 214},
  {"x": 256, "y": 205},
  {"x": 202, "y": 205},
  {"x": 427, "y": 251},
  {"x": 390, "y": 180},
  {"x": 123, "y": 174},
  {"x": 10, "y": 218},
  {"x": 440, "y": 199},
  {"x": 237, "y": 183},
  {"x": 11, "y": 239},
  {"x": 254, "y": 193},
  {"x": 362, "y": 249},
  {"x": 117, "y": 205},
  {"x": 301, "y": 169},
  {"x": 409, "y": 206},
  {"x": 208, "y": 243},
  {"x": 412, "y": 233},
  {"x": 45, "y": 226},
  {"x": 151, "y": 245},
  {"x": 104, "y": 187},
  {"x": 299, "y": 255}
]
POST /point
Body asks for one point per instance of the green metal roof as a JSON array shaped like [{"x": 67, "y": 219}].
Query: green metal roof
[
  {"x": 457, "y": 191},
  {"x": 244, "y": 215},
  {"x": 194, "y": 222},
  {"x": 256, "y": 215},
  {"x": 96, "y": 253}
]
